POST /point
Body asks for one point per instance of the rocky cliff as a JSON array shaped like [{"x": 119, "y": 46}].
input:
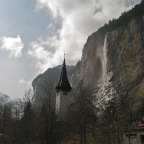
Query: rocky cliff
[
  {"x": 52, "y": 76},
  {"x": 89, "y": 71},
  {"x": 118, "y": 53},
  {"x": 126, "y": 51},
  {"x": 109, "y": 56},
  {"x": 4, "y": 98}
]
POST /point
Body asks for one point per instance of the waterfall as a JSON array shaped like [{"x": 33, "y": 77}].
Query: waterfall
[
  {"x": 104, "y": 91},
  {"x": 104, "y": 59}
]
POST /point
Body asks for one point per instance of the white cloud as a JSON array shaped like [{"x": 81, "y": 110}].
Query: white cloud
[
  {"x": 78, "y": 19},
  {"x": 13, "y": 45},
  {"x": 42, "y": 51},
  {"x": 22, "y": 81}
]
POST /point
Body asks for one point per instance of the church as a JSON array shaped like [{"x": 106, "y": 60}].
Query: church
[{"x": 63, "y": 99}]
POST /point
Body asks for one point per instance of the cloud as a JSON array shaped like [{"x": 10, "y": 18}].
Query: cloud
[
  {"x": 43, "y": 51},
  {"x": 78, "y": 20},
  {"x": 13, "y": 45},
  {"x": 22, "y": 81}
]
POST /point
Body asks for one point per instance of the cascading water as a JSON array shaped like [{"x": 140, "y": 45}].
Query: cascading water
[
  {"x": 104, "y": 91},
  {"x": 104, "y": 60}
]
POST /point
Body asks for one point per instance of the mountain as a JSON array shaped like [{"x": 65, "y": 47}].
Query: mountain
[
  {"x": 113, "y": 54},
  {"x": 51, "y": 75},
  {"x": 4, "y": 97},
  {"x": 123, "y": 57}
]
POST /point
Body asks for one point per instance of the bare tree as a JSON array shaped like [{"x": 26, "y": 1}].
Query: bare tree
[
  {"x": 82, "y": 114},
  {"x": 48, "y": 109}
]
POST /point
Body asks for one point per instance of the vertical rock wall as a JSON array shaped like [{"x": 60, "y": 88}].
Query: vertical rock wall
[{"x": 125, "y": 57}]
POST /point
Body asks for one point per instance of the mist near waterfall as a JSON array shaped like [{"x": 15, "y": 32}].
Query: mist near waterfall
[
  {"x": 104, "y": 91},
  {"x": 104, "y": 59}
]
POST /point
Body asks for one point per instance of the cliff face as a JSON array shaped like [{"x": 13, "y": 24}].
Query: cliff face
[
  {"x": 52, "y": 76},
  {"x": 126, "y": 52},
  {"x": 88, "y": 71},
  {"x": 4, "y": 98},
  {"x": 119, "y": 53},
  {"x": 126, "y": 58}
]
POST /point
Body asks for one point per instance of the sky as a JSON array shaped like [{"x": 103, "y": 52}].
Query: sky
[{"x": 34, "y": 33}]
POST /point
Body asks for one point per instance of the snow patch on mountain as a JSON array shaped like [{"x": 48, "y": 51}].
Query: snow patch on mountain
[{"x": 5, "y": 97}]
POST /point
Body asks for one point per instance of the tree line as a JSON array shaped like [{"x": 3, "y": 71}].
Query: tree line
[
  {"x": 21, "y": 122},
  {"x": 124, "y": 19}
]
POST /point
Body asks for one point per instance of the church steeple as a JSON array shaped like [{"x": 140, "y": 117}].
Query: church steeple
[{"x": 63, "y": 83}]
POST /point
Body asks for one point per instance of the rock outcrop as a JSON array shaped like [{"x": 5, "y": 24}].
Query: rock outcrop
[
  {"x": 125, "y": 57},
  {"x": 126, "y": 52},
  {"x": 118, "y": 52},
  {"x": 4, "y": 98},
  {"x": 50, "y": 76}
]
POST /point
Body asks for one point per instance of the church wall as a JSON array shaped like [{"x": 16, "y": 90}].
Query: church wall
[{"x": 62, "y": 103}]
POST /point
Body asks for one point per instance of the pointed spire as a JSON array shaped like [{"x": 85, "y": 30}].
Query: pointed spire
[
  {"x": 64, "y": 54},
  {"x": 63, "y": 83}
]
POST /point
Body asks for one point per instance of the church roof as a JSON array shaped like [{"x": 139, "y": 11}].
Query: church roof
[{"x": 63, "y": 83}]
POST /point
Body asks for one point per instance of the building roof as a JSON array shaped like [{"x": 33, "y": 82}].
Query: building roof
[{"x": 63, "y": 83}]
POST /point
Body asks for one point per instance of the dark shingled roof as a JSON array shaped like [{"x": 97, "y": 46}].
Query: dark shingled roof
[{"x": 63, "y": 83}]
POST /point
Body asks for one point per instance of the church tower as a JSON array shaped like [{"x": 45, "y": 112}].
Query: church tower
[{"x": 63, "y": 87}]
